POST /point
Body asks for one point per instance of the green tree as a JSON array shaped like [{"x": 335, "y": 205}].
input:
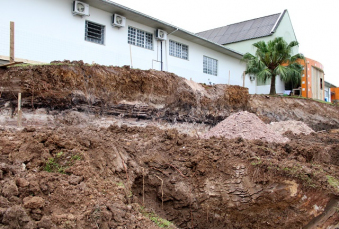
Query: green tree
[{"x": 272, "y": 59}]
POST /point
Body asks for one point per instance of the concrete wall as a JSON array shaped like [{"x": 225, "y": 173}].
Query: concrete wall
[
  {"x": 285, "y": 30},
  {"x": 47, "y": 31}
]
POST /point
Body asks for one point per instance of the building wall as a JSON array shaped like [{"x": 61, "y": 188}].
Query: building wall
[
  {"x": 47, "y": 31},
  {"x": 285, "y": 30},
  {"x": 335, "y": 95},
  {"x": 310, "y": 83}
]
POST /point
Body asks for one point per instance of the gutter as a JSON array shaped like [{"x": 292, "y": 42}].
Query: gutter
[{"x": 278, "y": 22}]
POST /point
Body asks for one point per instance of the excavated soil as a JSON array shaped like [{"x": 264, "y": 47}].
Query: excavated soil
[
  {"x": 70, "y": 177},
  {"x": 109, "y": 147}
]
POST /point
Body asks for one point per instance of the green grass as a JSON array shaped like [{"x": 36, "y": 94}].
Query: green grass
[
  {"x": 333, "y": 182},
  {"x": 60, "y": 162},
  {"x": 160, "y": 222}
]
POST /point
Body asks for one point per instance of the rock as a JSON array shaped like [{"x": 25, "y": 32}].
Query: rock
[
  {"x": 10, "y": 189},
  {"x": 74, "y": 180},
  {"x": 16, "y": 217},
  {"x": 21, "y": 182},
  {"x": 46, "y": 222},
  {"x": 34, "y": 202},
  {"x": 4, "y": 203}
]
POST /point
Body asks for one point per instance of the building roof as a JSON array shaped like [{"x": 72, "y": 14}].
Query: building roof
[
  {"x": 246, "y": 30},
  {"x": 134, "y": 15},
  {"x": 328, "y": 84}
]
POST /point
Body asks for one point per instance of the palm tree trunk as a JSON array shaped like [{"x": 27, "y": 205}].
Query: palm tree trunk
[{"x": 272, "y": 91}]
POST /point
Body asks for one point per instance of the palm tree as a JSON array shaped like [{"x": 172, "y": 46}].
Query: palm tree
[{"x": 273, "y": 59}]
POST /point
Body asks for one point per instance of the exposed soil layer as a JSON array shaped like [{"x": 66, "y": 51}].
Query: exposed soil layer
[
  {"x": 152, "y": 95},
  {"x": 109, "y": 147},
  {"x": 71, "y": 177}
]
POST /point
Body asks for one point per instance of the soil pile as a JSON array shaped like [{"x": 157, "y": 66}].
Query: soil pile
[
  {"x": 133, "y": 177},
  {"x": 245, "y": 125},
  {"x": 317, "y": 115},
  {"x": 76, "y": 164},
  {"x": 108, "y": 90},
  {"x": 296, "y": 127}
]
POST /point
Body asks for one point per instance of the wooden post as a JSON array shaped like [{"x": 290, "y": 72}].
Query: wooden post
[
  {"x": 229, "y": 77},
  {"x": 243, "y": 82},
  {"x": 19, "y": 111},
  {"x": 11, "y": 46}
]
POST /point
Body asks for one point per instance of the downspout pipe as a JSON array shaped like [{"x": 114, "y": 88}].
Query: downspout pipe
[{"x": 161, "y": 54}]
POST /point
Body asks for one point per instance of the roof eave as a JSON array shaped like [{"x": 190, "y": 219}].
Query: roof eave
[{"x": 131, "y": 14}]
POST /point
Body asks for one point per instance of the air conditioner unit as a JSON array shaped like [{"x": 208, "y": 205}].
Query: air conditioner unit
[
  {"x": 118, "y": 20},
  {"x": 252, "y": 78},
  {"x": 80, "y": 8},
  {"x": 161, "y": 35}
]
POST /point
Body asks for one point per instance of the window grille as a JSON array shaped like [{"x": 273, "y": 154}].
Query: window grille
[
  {"x": 94, "y": 32},
  {"x": 140, "y": 38},
  {"x": 210, "y": 66},
  {"x": 178, "y": 50}
]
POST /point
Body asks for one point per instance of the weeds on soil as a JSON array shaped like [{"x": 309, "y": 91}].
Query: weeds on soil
[
  {"x": 160, "y": 222},
  {"x": 60, "y": 162}
]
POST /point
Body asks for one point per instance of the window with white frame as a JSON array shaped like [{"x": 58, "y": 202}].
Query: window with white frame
[
  {"x": 178, "y": 50},
  {"x": 210, "y": 66},
  {"x": 140, "y": 38},
  {"x": 94, "y": 32}
]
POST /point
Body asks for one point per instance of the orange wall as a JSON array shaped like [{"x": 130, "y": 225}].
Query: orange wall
[
  {"x": 308, "y": 70},
  {"x": 335, "y": 96}
]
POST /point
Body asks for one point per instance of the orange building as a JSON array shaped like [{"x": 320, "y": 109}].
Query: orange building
[
  {"x": 335, "y": 95},
  {"x": 312, "y": 80}
]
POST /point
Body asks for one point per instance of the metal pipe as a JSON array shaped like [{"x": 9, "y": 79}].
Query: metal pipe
[
  {"x": 306, "y": 77},
  {"x": 161, "y": 54}
]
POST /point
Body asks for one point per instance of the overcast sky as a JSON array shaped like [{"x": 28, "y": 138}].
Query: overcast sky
[{"x": 316, "y": 23}]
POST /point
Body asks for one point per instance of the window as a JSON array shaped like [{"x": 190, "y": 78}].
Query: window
[
  {"x": 210, "y": 66},
  {"x": 178, "y": 50},
  {"x": 140, "y": 38},
  {"x": 94, "y": 32}
]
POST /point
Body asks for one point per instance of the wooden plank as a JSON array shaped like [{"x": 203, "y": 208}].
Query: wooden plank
[
  {"x": 10, "y": 64},
  {"x": 11, "y": 47}
]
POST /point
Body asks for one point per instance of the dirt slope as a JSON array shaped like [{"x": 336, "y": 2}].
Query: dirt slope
[{"x": 109, "y": 147}]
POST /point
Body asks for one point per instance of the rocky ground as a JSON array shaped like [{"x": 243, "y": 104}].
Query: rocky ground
[{"x": 109, "y": 147}]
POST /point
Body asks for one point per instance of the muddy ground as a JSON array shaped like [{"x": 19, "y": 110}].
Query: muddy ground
[{"x": 109, "y": 147}]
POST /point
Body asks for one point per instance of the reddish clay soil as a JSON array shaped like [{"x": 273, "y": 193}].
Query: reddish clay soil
[{"x": 65, "y": 169}]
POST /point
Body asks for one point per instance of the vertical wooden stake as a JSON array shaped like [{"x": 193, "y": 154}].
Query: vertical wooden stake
[
  {"x": 243, "y": 82},
  {"x": 143, "y": 186},
  {"x": 19, "y": 111},
  {"x": 11, "y": 46},
  {"x": 229, "y": 77},
  {"x": 130, "y": 53}
]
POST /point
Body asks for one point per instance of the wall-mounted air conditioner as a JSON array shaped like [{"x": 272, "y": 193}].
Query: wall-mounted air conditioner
[
  {"x": 161, "y": 35},
  {"x": 118, "y": 20},
  {"x": 252, "y": 78},
  {"x": 80, "y": 8}
]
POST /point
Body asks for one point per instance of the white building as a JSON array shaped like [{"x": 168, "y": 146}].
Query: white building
[
  {"x": 107, "y": 33},
  {"x": 57, "y": 30}
]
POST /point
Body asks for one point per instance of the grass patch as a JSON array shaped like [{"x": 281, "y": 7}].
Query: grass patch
[
  {"x": 160, "y": 222},
  {"x": 60, "y": 162},
  {"x": 333, "y": 182}
]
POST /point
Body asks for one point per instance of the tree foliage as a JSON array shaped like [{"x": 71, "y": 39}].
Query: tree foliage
[{"x": 272, "y": 59}]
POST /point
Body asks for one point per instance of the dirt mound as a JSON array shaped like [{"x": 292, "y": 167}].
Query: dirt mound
[
  {"x": 119, "y": 177},
  {"x": 315, "y": 114},
  {"x": 296, "y": 127},
  {"x": 120, "y": 91},
  {"x": 245, "y": 125}
]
